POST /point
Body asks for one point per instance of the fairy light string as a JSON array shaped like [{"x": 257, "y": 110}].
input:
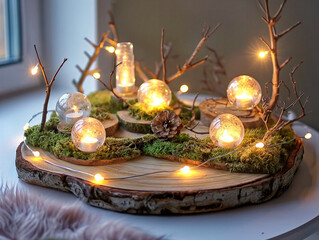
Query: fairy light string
[{"x": 185, "y": 170}]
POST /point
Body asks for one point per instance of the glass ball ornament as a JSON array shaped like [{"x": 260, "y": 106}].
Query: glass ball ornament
[
  {"x": 88, "y": 134},
  {"x": 244, "y": 92},
  {"x": 154, "y": 93},
  {"x": 226, "y": 131},
  {"x": 73, "y": 106}
]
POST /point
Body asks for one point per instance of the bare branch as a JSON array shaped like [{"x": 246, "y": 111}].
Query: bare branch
[
  {"x": 163, "y": 57},
  {"x": 140, "y": 72},
  {"x": 112, "y": 26},
  {"x": 90, "y": 42},
  {"x": 285, "y": 62},
  {"x": 189, "y": 63},
  {"x": 150, "y": 72},
  {"x": 85, "y": 72},
  {"x": 167, "y": 51},
  {"x": 288, "y": 30},
  {"x": 264, "y": 41},
  {"x": 48, "y": 88},
  {"x": 277, "y": 14}
]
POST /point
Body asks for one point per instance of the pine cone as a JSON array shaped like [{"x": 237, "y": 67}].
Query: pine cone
[{"x": 166, "y": 125}]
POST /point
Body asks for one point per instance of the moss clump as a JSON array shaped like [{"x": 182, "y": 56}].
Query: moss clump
[
  {"x": 103, "y": 100},
  {"x": 140, "y": 111},
  {"x": 100, "y": 113},
  {"x": 61, "y": 145},
  {"x": 253, "y": 160}
]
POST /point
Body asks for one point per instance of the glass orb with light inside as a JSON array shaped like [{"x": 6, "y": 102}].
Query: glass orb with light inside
[
  {"x": 73, "y": 106},
  {"x": 226, "y": 131},
  {"x": 88, "y": 134},
  {"x": 154, "y": 94},
  {"x": 244, "y": 92}
]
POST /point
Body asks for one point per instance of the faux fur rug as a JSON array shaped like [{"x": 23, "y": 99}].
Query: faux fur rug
[{"x": 23, "y": 216}]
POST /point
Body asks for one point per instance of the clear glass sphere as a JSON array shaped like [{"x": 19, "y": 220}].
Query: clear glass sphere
[
  {"x": 73, "y": 106},
  {"x": 226, "y": 131},
  {"x": 154, "y": 93},
  {"x": 244, "y": 92},
  {"x": 88, "y": 134}
]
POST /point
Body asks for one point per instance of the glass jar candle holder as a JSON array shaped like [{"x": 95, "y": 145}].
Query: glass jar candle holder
[
  {"x": 73, "y": 106},
  {"x": 125, "y": 72},
  {"x": 226, "y": 131},
  {"x": 88, "y": 134},
  {"x": 154, "y": 93},
  {"x": 244, "y": 92}
]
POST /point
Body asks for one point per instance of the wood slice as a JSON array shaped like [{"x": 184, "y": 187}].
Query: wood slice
[
  {"x": 110, "y": 126},
  {"x": 133, "y": 125},
  {"x": 203, "y": 190},
  {"x": 211, "y": 108}
]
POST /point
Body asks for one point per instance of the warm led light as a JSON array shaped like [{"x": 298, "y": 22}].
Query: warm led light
[
  {"x": 226, "y": 131},
  {"x": 125, "y": 72},
  {"x": 34, "y": 70},
  {"x": 154, "y": 94},
  {"x": 36, "y": 153},
  {"x": 88, "y": 134},
  {"x": 262, "y": 54},
  {"x": 308, "y": 136},
  {"x": 185, "y": 170},
  {"x": 110, "y": 49},
  {"x": 260, "y": 145},
  {"x": 96, "y": 75},
  {"x": 184, "y": 88},
  {"x": 244, "y": 92},
  {"x": 226, "y": 137},
  {"x": 98, "y": 177},
  {"x": 26, "y": 127}
]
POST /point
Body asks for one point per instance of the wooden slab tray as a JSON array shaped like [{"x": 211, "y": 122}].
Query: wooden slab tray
[{"x": 204, "y": 190}]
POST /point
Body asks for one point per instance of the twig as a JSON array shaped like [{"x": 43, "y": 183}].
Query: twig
[
  {"x": 163, "y": 57},
  {"x": 271, "y": 22},
  {"x": 189, "y": 63},
  {"x": 281, "y": 123},
  {"x": 111, "y": 88},
  {"x": 167, "y": 51},
  {"x": 112, "y": 26},
  {"x": 85, "y": 72},
  {"x": 48, "y": 88}
]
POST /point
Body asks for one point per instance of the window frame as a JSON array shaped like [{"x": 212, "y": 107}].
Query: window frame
[{"x": 15, "y": 75}]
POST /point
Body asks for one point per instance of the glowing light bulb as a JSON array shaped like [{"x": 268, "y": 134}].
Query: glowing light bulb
[
  {"x": 110, "y": 49},
  {"x": 125, "y": 72},
  {"x": 226, "y": 137},
  {"x": 244, "y": 92},
  {"x": 262, "y": 54},
  {"x": 34, "y": 70},
  {"x": 88, "y": 134},
  {"x": 226, "y": 131},
  {"x": 184, "y": 88},
  {"x": 98, "y": 177},
  {"x": 36, "y": 153},
  {"x": 96, "y": 75},
  {"x": 260, "y": 145},
  {"x": 154, "y": 93},
  {"x": 26, "y": 126},
  {"x": 308, "y": 136},
  {"x": 185, "y": 170}
]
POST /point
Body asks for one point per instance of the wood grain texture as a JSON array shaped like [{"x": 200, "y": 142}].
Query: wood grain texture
[
  {"x": 167, "y": 193},
  {"x": 209, "y": 109},
  {"x": 110, "y": 126}
]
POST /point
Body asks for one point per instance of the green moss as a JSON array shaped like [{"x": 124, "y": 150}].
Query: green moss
[
  {"x": 104, "y": 100},
  {"x": 140, "y": 111},
  {"x": 252, "y": 160}
]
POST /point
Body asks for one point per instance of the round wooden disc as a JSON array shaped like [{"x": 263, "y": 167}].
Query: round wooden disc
[
  {"x": 110, "y": 126},
  {"x": 202, "y": 190},
  {"x": 211, "y": 108}
]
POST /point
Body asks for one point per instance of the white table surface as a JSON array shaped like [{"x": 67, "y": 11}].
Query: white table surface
[{"x": 296, "y": 210}]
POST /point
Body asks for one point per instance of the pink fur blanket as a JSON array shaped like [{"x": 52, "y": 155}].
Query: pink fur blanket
[{"x": 23, "y": 216}]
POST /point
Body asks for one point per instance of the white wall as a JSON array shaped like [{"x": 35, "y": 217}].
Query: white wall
[{"x": 65, "y": 24}]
